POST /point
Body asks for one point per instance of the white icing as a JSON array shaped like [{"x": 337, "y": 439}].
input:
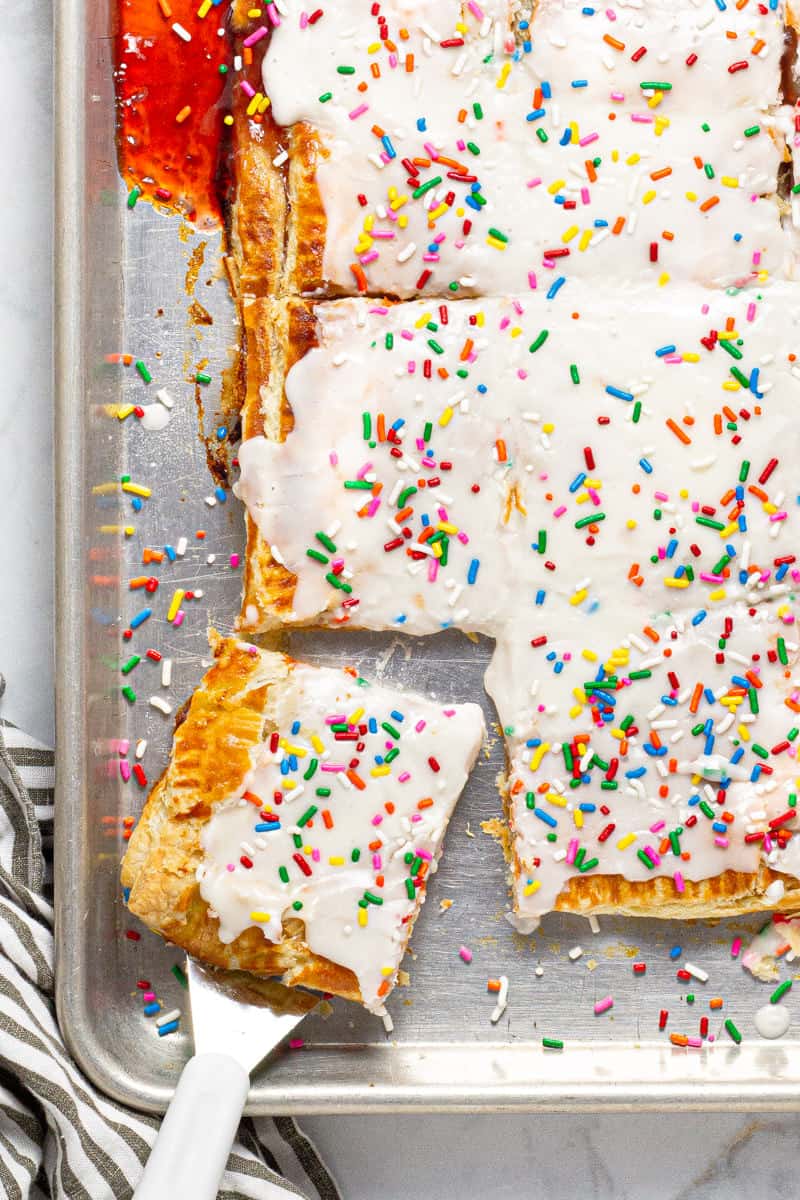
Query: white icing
[
  {"x": 524, "y": 180},
  {"x": 761, "y": 956},
  {"x": 590, "y": 590},
  {"x": 773, "y": 1020},
  {"x": 329, "y": 896}
]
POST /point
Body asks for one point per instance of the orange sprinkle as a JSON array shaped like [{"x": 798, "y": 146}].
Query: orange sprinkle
[
  {"x": 409, "y": 64},
  {"x": 356, "y": 780},
  {"x": 252, "y": 798},
  {"x": 501, "y": 450},
  {"x": 679, "y": 434},
  {"x": 708, "y": 204},
  {"x": 166, "y": 11},
  {"x": 662, "y": 174},
  {"x": 655, "y": 740},
  {"x": 591, "y": 172},
  {"x": 758, "y": 492},
  {"x": 633, "y": 571},
  {"x": 613, "y": 42},
  {"x": 379, "y": 880},
  {"x": 493, "y": 985},
  {"x": 201, "y": 533},
  {"x": 389, "y": 806},
  {"x": 462, "y": 116},
  {"x": 376, "y": 845},
  {"x": 753, "y": 678},
  {"x": 648, "y": 631},
  {"x": 149, "y": 556},
  {"x": 717, "y": 423},
  {"x": 715, "y": 1002},
  {"x": 467, "y": 350},
  {"x": 426, "y": 803},
  {"x": 384, "y": 987},
  {"x": 138, "y": 582},
  {"x": 668, "y": 235},
  {"x": 375, "y": 71},
  {"x": 618, "y": 225},
  {"x": 694, "y": 703},
  {"x": 679, "y": 1039},
  {"x": 327, "y": 819},
  {"x": 359, "y": 276},
  {"x": 183, "y": 114}
]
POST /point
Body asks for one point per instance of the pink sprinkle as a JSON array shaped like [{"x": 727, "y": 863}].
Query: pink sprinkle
[
  {"x": 333, "y": 458},
  {"x": 377, "y": 819},
  {"x": 736, "y": 946},
  {"x": 125, "y": 770},
  {"x": 333, "y": 767},
  {"x": 618, "y": 96},
  {"x": 272, "y": 13},
  {"x": 751, "y": 312},
  {"x": 559, "y": 512},
  {"x": 420, "y": 725},
  {"x": 369, "y": 257},
  {"x": 662, "y": 496},
  {"x": 678, "y": 881},
  {"x": 585, "y": 195},
  {"x": 304, "y": 20},
  {"x": 315, "y": 855},
  {"x": 532, "y": 183},
  {"x": 230, "y": 867},
  {"x": 590, "y": 137},
  {"x": 416, "y": 817},
  {"x": 123, "y": 746},
  {"x": 367, "y": 467},
  {"x": 403, "y": 777},
  {"x": 658, "y": 825},
  {"x": 466, "y": 954},
  {"x": 722, "y": 842},
  {"x": 462, "y": 537},
  {"x": 532, "y": 280},
  {"x": 475, "y": 10},
  {"x": 296, "y": 1043},
  {"x": 426, "y": 854},
  {"x": 641, "y": 119},
  {"x": 234, "y": 560},
  {"x": 148, "y": 996},
  {"x": 695, "y": 1042},
  {"x": 602, "y": 1006},
  {"x": 462, "y": 145},
  {"x": 179, "y": 618},
  {"x": 522, "y": 373},
  {"x": 247, "y": 89},
  {"x": 259, "y": 33},
  {"x": 654, "y": 857},
  {"x": 433, "y": 569},
  {"x": 572, "y": 850},
  {"x": 376, "y": 862},
  {"x": 358, "y": 112}
]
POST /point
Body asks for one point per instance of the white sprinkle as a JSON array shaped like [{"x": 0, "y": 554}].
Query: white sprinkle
[
  {"x": 185, "y": 36},
  {"x": 180, "y": 549},
  {"x": 163, "y": 397},
  {"x": 594, "y": 924},
  {"x": 141, "y": 746},
  {"x": 166, "y": 672},
  {"x": 575, "y": 953},
  {"x": 502, "y": 1001},
  {"x": 165, "y": 1018},
  {"x": 696, "y": 972},
  {"x": 161, "y": 704},
  {"x": 388, "y": 1023},
  {"x": 280, "y": 159},
  {"x": 211, "y": 501}
]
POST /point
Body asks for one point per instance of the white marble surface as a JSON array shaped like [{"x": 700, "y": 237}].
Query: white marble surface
[{"x": 684, "y": 1155}]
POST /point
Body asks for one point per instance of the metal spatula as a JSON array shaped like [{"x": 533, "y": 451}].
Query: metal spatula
[{"x": 237, "y": 1019}]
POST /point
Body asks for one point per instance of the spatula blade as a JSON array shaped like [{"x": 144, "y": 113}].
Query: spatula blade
[{"x": 241, "y": 1015}]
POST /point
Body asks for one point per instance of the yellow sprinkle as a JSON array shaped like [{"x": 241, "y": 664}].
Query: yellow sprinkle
[
  {"x": 317, "y": 743},
  {"x": 556, "y": 186},
  {"x": 124, "y": 411},
  {"x": 589, "y": 655},
  {"x": 554, "y": 798},
  {"x": 423, "y": 321},
  {"x": 548, "y": 427},
  {"x": 252, "y": 107},
  {"x": 730, "y": 385},
  {"x": 461, "y": 27},
  {"x": 660, "y": 124},
  {"x": 631, "y": 524},
  {"x": 504, "y": 73},
  {"x": 654, "y": 101},
  {"x": 632, "y": 160},
  {"x": 435, "y": 213},
  {"x": 744, "y": 732},
  {"x": 615, "y": 156},
  {"x": 257, "y": 915},
  {"x": 369, "y": 222},
  {"x": 690, "y": 356},
  {"x": 136, "y": 489},
  {"x": 387, "y": 971},
  {"x": 204, "y": 9},
  {"x": 574, "y": 712},
  {"x": 446, "y": 416},
  {"x": 729, "y": 181},
  {"x": 586, "y": 238},
  {"x": 480, "y": 319},
  {"x": 355, "y": 716},
  {"x": 447, "y": 527},
  {"x": 128, "y": 530},
  {"x": 398, "y": 203},
  {"x": 382, "y": 770},
  {"x": 336, "y": 860},
  {"x": 663, "y": 279},
  {"x": 515, "y": 332},
  {"x": 264, "y": 105},
  {"x": 538, "y": 755},
  {"x": 626, "y": 841},
  {"x": 717, "y": 594},
  {"x": 362, "y": 917},
  {"x": 307, "y": 849},
  {"x": 672, "y": 582},
  {"x": 573, "y": 132},
  {"x": 531, "y": 887},
  {"x": 300, "y": 751},
  {"x": 578, "y": 818},
  {"x": 570, "y": 233},
  {"x": 288, "y": 784},
  {"x": 175, "y": 604},
  {"x": 582, "y": 498},
  {"x": 727, "y": 335},
  {"x": 579, "y": 597},
  {"x": 104, "y": 489},
  {"x": 619, "y": 734},
  {"x": 374, "y": 47},
  {"x": 402, "y": 220},
  {"x": 691, "y": 196},
  {"x": 227, "y": 120},
  {"x": 495, "y": 243}
]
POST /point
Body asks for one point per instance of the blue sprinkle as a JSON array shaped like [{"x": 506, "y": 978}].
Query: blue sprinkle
[
  {"x": 140, "y": 618},
  {"x": 558, "y": 668},
  {"x": 421, "y": 126},
  {"x": 636, "y": 773},
  {"x": 754, "y": 774},
  {"x": 540, "y": 597},
  {"x": 472, "y": 573},
  {"x": 579, "y": 83},
  {"x": 670, "y": 701},
  {"x": 709, "y": 695},
  {"x": 372, "y": 725},
  {"x": 136, "y": 504},
  {"x": 676, "y": 952},
  {"x": 150, "y": 1010},
  {"x": 781, "y": 571},
  {"x": 646, "y": 466},
  {"x": 482, "y": 388},
  {"x": 577, "y": 482},
  {"x": 222, "y": 432},
  {"x": 388, "y": 147},
  {"x": 545, "y": 816},
  {"x": 618, "y": 392},
  {"x": 535, "y": 114},
  {"x": 396, "y": 716},
  {"x": 171, "y": 553},
  {"x": 547, "y": 91},
  {"x": 672, "y": 546},
  {"x": 555, "y": 287},
  {"x": 126, "y": 894},
  {"x": 266, "y": 826},
  {"x": 652, "y": 751},
  {"x": 737, "y": 237},
  {"x": 693, "y": 801},
  {"x": 566, "y": 136},
  {"x": 551, "y": 656},
  {"x": 600, "y": 223},
  {"x": 401, "y": 620},
  {"x": 737, "y": 755},
  {"x": 719, "y": 827},
  {"x": 587, "y": 807},
  {"x": 295, "y": 727},
  {"x": 664, "y": 351},
  {"x": 171, "y": 1026},
  {"x": 472, "y": 202},
  {"x": 221, "y": 494}
]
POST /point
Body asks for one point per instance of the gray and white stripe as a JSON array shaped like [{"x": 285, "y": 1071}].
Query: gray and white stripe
[{"x": 60, "y": 1139}]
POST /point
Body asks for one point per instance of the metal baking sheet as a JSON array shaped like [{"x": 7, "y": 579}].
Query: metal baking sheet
[{"x": 121, "y": 280}]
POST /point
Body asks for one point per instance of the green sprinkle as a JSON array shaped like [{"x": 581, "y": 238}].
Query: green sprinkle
[
  {"x": 298, "y": 841},
  {"x": 626, "y": 724},
  {"x": 796, "y": 189},
  {"x": 133, "y": 661},
  {"x": 366, "y": 426},
  {"x": 645, "y": 858},
  {"x": 573, "y": 373},
  {"x": 501, "y": 237},
  {"x": 202, "y": 377},
  {"x": 324, "y": 792},
  {"x": 410, "y": 889},
  {"x": 780, "y": 990},
  {"x": 782, "y": 655},
  {"x": 675, "y": 844},
  {"x": 317, "y": 556},
  {"x": 731, "y": 349},
  {"x": 752, "y": 130},
  {"x": 345, "y": 70},
  {"x": 476, "y": 108},
  {"x": 311, "y": 769},
  {"x": 733, "y": 1031},
  {"x": 539, "y": 341},
  {"x": 427, "y": 431},
  {"x": 709, "y": 170},
  {"x": 180, "y": 976},
  {"x": 325, "y": 97},
  {"x": 297, "y": 905},
  {"x": 587, "y": 866},
  {"x": 473, "y": 149},
  {"x": 307, "y": 815},
  {"x": 541, "y": 543},
  {"x": 336, "y": 582},
  {"x": 690, "y": 997},
  {"x": 358, "y": 485},
  {"x": 284, "y": 874},
  {"x": 391, "y": 756},
  {"x": 355, "y": 855},
  {"x": 435, "y": 347},
  {"x": 584, "y": 521},
  {"x": 707, "y": 521},
  {"x": 741, "y": 379},
  {"x": 707, "y": 810},
  {"x": 390, "y": 729},
  {"x": 637, "y": 412},
  {"x": 552, "y": 1043},
  {"x": 645, "y": 674},
  {"x": 133, "y": 195},
  {"x": 744, "y": 471},
  {"x": 426, "y": 187},
  {"x": 759, "y": 750},
  {"x": 143, "y": 371},
  {"x": 752, "y": 696},
  {"x": 223, "y": 69},
  {"x": 402, "y": 499},
  {"x": 129, "y": 694},
  {"x": 530, "y": 799},
  {"x": 389, "y": 341},
  {"x": 542, "y": 135},
  {"x": 656, "y": 87},
  {"x": 371, "y": 898}
]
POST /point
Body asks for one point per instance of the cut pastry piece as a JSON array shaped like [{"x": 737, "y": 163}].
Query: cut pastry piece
[
  {"x": 671, "y": 790},
  {"x": 298, "y": 821},
  {"x": 519, "y": 460},
  {"x": 440, "y": 147}
]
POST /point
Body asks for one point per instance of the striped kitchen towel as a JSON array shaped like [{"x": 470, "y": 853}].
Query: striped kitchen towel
[{"x": 59, "y": 1137}]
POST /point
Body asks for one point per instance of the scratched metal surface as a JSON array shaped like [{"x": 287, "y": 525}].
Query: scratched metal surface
[{"x": 121, "y": 286}]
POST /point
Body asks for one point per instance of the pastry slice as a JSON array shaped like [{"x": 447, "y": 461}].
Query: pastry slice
[
  {"x": 668, "y": 785},
  {"x": 479, "y": 148},
  {"x": 298, "y": 821}
]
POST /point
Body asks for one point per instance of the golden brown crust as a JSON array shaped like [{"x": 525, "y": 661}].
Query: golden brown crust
[{"x": 210, "y": 755}]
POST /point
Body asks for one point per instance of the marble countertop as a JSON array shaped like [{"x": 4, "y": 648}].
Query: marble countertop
[{"x": 704, "y": 1157}]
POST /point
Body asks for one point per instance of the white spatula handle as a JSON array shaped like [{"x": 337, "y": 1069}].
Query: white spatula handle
[{"x": 198, "y": 1131}]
